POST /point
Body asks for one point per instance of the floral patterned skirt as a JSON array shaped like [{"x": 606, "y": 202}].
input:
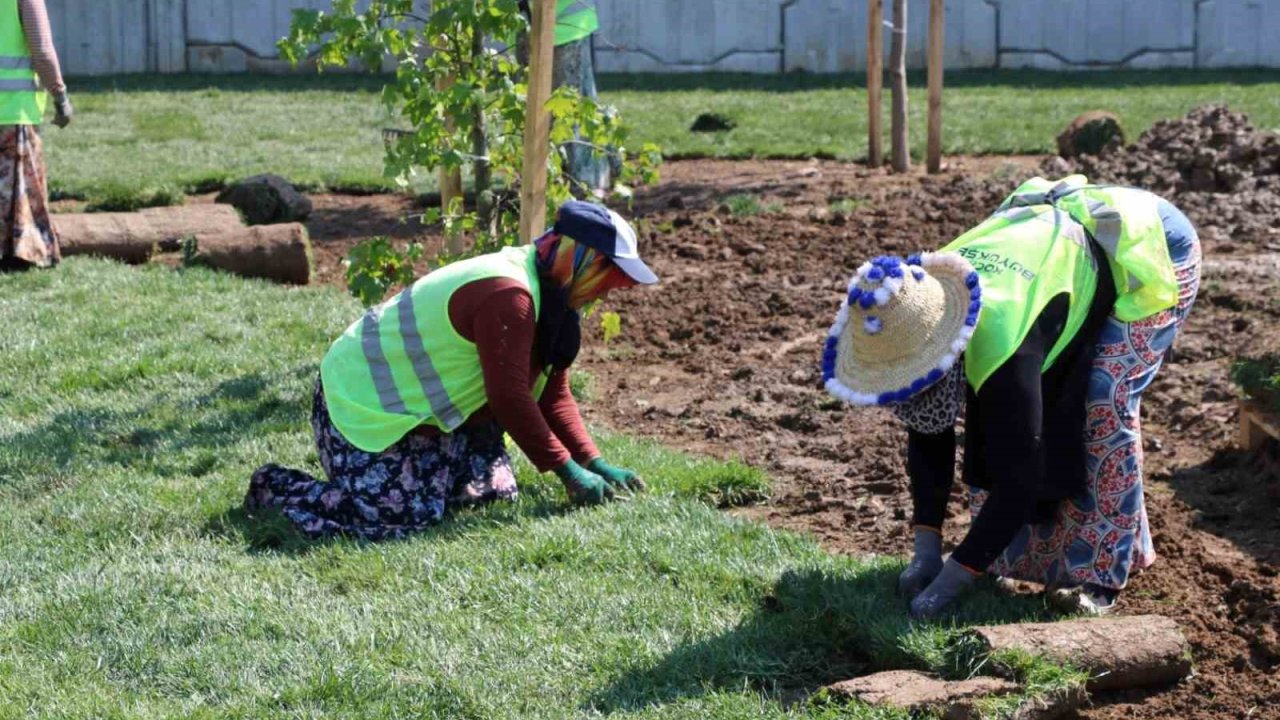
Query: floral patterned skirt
[
  {"x": 389, "y": 494},
  {"x": 1103, "y": 535},
  {"x": 27, "y": 237}
]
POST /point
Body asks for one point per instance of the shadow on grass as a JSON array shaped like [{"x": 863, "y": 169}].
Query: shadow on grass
[
  {"x": 158, "y": 435},
  {"x": 813, "y": 629},
  {"x": 267, "y": 531}
]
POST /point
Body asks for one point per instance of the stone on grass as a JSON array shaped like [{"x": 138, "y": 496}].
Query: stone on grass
[
  {"x": 266, "y": 200},
  {"x": 1090, "y": 133}
]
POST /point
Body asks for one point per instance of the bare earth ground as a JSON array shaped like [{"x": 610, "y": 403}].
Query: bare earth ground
[{"x": 722, "y": 358}]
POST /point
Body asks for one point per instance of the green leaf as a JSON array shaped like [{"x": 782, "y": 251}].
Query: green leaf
[{"x": 611, "y": 323}]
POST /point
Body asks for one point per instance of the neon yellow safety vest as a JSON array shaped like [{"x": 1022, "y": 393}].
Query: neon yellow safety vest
[
  {"x": 575, "y": 19},
  {"x": 1025, "y": 256},
  {"x": 1126, "y": 223},
  {"x": 22, "y": 102},
  {"x": 403, "y": 364}
]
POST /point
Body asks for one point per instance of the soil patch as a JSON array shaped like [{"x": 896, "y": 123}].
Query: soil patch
[{"x": 723, "y": 357}]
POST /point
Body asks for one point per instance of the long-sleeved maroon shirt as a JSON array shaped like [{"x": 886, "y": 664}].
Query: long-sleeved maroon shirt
[
  {"x": 497, "y": 315},
  {"x": 44, "y": 58}
]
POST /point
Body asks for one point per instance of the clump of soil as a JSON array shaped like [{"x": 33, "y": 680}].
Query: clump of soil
[
  {"x": 712, "y": 122},
  {"x": 1224, "y": 172},
  {"x": 1090, "y": 134}
]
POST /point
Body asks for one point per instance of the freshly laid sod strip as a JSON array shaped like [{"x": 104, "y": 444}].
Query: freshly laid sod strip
[
  {"x": 140, "y": 140},
  {"x": 136, "y": 402}
]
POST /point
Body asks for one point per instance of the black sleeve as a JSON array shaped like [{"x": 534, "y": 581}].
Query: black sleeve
[
  {"x": 1008, "y": 441},
  {"x": 931, "y": 462}
]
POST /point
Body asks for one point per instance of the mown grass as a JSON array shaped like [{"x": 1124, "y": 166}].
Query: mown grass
[
  {"x": 136, "y": 402},
  {"x": 156, "y": 136}
]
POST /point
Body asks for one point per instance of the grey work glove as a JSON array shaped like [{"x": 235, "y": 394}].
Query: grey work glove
[
  {"x": 926, "y": 563},
  {"x": 62, "y": 110},
  {"x": 942, "y": 593}
]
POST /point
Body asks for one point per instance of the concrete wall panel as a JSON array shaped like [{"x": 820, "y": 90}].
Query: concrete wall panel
[{"x": 1236, "y": 33}]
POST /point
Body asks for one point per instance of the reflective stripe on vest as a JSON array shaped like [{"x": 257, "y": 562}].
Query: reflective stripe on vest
[
  {"x": 12, "y": 85},
  {"x": 10, "y": 62},
  {"x": 371, "y": 342},
  {"x": 441, "y": 406}
]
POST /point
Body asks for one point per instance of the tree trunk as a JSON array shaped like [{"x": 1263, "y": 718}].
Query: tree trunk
[
  {"x": 480, "y": 149},
  {"x": 898, "y": 73},
  {"x": 1120, "y": 652}
]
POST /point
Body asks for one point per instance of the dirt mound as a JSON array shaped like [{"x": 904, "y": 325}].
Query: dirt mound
[{"x": 1218, "y": 168}]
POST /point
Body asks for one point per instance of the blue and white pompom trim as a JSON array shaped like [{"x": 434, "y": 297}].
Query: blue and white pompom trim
[{"x": 889, "y": 273}]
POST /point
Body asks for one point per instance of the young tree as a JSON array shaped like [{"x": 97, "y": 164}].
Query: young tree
[{"x": 460, "y": 88}]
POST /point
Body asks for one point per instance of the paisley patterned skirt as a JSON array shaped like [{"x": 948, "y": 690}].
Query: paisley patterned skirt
[
  {"x": 27, "y": 238},
  {"x": 1102, "y": 536},
  {"x": 378, "y": 496}
]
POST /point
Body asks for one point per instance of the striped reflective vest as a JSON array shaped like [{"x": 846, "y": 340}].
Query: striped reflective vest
[
  {"x": 1025, "y": 256},
  {"x": 403, "y": 364},
  {"x": 1126, "y": 223},
  {"x": 22, "y": 102},
  {"x": 575, "y": 19}
]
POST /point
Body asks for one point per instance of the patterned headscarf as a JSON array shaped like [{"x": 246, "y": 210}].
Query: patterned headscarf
[{"x": 572, "y": 275}]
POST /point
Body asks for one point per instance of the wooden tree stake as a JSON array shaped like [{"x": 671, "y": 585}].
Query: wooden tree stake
[
  {"x": 450, "y": 180},
  {"x": 898, "y": 73},
  {"x": 875, "y": 80},
  {"x": 537, "y": 124},
  {"x": 933, "y": 154}
]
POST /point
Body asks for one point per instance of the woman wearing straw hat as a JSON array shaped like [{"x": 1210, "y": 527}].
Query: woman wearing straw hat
[
  {"x": 1043, "y": 324},
  {"x": 413, "y": 400}
]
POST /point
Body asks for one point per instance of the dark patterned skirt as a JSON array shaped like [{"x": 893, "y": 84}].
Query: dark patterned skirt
[
  {"x": 27, "y": 238},
  {"x": 390, "y": 494}
]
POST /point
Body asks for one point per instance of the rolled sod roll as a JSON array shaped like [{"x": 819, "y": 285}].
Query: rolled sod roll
[
  {"x": 133, "y": 237},
  {"x": 273, "y": 252},
  {"x": 1117, "y": 652}
]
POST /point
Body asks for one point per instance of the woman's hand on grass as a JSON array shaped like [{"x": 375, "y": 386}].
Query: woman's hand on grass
[
  {"x": 583, "y": 486},
  {"x": 620, "y": 479}
]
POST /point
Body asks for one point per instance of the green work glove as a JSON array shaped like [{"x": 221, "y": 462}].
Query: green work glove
[
  {"x": 584, "y": 487},
  {"x": 618, "y": 478}
]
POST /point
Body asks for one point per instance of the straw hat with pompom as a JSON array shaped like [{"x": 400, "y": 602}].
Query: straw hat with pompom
[{"x": 902, "y": 326}]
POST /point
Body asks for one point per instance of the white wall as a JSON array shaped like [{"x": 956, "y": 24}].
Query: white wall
[{"x": 767, "y": 36}]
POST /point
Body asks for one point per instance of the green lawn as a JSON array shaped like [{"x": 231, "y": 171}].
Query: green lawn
[
  {"x": 145, "y": 136},
  {"x": 135, "y": 403}
]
